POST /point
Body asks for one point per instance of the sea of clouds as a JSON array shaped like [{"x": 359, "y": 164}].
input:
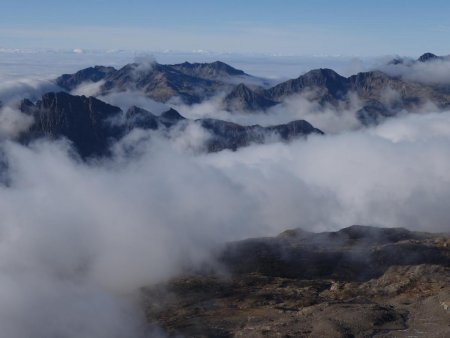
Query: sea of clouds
[{"x": 79, "y": 239}]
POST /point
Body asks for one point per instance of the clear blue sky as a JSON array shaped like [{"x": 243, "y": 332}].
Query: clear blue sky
[{"x": 305, "y": 27}]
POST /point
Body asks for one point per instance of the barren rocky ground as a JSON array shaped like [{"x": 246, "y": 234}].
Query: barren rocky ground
[{"x": 264, "y": 294}]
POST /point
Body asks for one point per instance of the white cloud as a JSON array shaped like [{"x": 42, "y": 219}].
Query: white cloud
[
  {"x": 15, "y": 90},
  {"x": 79, "y": 239},
  {"x": 127, "y": 99},
  {"x": 432, "y": 72},
  {"x": 13, "y": 122},
  {"x": 87, "y": 236},
  {"x": 296, "y": 107},
  {"x": 88, "y": 88}
]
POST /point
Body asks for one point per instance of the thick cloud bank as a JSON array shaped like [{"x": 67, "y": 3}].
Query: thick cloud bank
[{"x": 78, "y": 240}]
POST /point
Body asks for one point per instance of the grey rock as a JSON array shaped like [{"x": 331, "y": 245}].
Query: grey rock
[
  {"x": 244, "y": 99},
  {"x": 91, "y": 74},
  {"x": 93, "y": 126},
  {"x": 82, "y": 120},
  {"x": 212, "y": 71},
  {"x": 428, "y": 57}
]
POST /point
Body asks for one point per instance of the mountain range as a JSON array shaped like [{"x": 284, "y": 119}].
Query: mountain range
[
  {"x": 191, "y": 82},
  {"x": 93, "y": 126},
  {"x": 380, "y": 95},
  {"x": 360, "y": 281}
]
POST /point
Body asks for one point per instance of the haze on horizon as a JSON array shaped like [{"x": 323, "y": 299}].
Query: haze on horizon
[{"x": 289, "y": 27}]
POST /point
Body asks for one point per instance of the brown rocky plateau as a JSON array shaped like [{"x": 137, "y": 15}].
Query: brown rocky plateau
[{"x": 356, "y": 282}]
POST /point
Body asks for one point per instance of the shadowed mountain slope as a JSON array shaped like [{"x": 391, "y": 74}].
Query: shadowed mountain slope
[{"x": 93, "y": 126}]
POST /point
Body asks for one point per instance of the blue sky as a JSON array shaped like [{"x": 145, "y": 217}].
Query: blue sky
[{"x": 319, "y": 27}]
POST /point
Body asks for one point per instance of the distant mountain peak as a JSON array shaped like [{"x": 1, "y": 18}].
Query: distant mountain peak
[
  {"x": 321, "y": 73},
  {"x": 227, "y": 68},
  {"x": 243, "y": 89},
  {"x": 140, "y": 118},
  {"x": 134, "y": 110},
  {"x": 172, "y": 115},
  {"x": 92, "y": 74},
  {"x": 428, "y": 57},
  {"x": 83, "y": 120},
  {"x": 330, "y": 84},
  {"x": 242, "y": 98},
  {"x": 396, "y": 61},
  {"x": 88, "y": 124},
  {"x": 211, "y": 70}
]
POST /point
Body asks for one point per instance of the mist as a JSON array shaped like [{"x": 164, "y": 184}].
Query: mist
[
  {"x": 327, "y": 118},
  {"x": 431, "y": 72},
  {"x": 81, "y": 235},
  {"x": 79, "y": 239}
]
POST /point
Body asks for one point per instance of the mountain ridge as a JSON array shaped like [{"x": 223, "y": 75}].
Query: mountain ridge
[
  {"x": 197, "y": 82},
  {"x": 93, "y": 125}
]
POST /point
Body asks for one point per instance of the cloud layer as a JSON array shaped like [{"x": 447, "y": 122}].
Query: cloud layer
[
  {"x": 79, "y": 239},
  {"x": 86, "y": 236}
]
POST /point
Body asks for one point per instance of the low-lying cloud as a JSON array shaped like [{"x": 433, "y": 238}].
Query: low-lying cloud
[
  {"x": 79, "y": 239},
  {"x": 13, "y": 122},
  {"x": 431, "y": 72},
  {"x": 15, "y": 90},
  {"x": 327, "y": 118}
]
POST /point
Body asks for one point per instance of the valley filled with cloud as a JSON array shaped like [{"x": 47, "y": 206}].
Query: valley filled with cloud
[{"x": 80, "y": 236}]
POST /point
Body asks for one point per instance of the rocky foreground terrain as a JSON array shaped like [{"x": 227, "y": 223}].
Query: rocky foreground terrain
[{"x": 356, "y": 282}]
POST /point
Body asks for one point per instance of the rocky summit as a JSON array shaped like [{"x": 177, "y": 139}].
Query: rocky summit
[
  {"x": 429, "y": 57},
  {"x": 356, "y": 282},
  {"x": 85, "y": 121}
]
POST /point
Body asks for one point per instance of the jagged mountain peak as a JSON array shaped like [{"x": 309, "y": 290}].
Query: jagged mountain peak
[
  {"x": 243, "y": 98},
  {"x": 197, "y": 82},
  {"x": 92, "y": 125},
  {"x": 134, "y": 110},
  {"x": 92, "y": 74},
  {"x": 428, "y": 57},
  {"x": 216, "y": 65},
  {"x": 172, "y": 115},
  {"x": 85, "y": 121},
  {"x": 213, "y": 70},
  {"x": 242, "y": 89},
  {"x": 324, "y": 77},
  {"x": 321, "y": 73},
  {"x": 219, "y": 65},
  {"x": 396, "y": 61},
  {"x": 64, "y": 100},
  {"x": 330, "y": 84},
  {"x": 369, "y": 76},
  {"x": 137, "y": 117}
]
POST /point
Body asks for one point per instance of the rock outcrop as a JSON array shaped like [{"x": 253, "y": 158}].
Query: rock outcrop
[{"x": 356, "y": 282}]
